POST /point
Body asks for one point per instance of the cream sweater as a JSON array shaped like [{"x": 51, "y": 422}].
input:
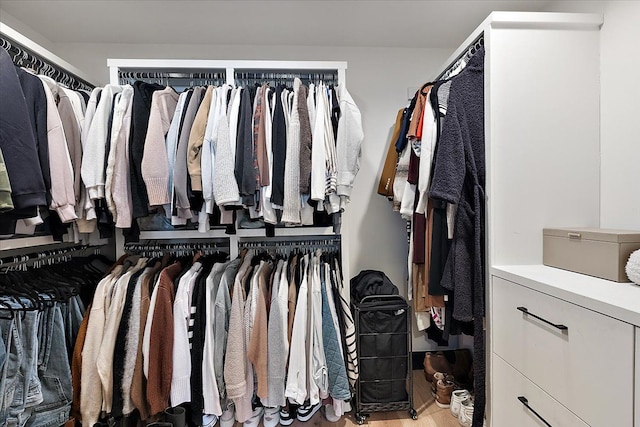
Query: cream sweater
[
  {"x": 120, "y": 183},
  {"x": 63, "y": 199},
  {"x": 292, "y": 205},
  {"x": 296, "y": 389},
  {"x": 207, "y": 158},
  {"x": 225, "y": 186}
]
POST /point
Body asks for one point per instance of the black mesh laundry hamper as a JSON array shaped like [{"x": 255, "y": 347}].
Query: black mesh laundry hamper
[{"x": 383, "y": 329}]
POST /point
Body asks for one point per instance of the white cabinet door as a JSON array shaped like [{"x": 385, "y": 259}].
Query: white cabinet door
[
  {"x": 511, "y": 391},
  {"x": 581, "y": 358}
]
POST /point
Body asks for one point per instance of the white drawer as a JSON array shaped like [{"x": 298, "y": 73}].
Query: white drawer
[
  {"x": 509, "y": 386},
  {"x": 588, "y": 367}
]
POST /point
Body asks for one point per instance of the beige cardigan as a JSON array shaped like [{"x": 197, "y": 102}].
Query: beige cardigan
[
  {"x": 196, "y": 139},
  {"x": 155, "y": 164}
]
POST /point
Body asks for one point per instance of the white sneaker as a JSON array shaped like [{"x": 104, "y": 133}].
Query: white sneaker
[
  {"x": 271, "y": 417},
  {"x": 330, "y": 413},
  {"x": 457, "y": 397},
  {"x": 254, "y": 421},
  {"x": 228, "y": 417},
  {"x": 465, "y": 416}
]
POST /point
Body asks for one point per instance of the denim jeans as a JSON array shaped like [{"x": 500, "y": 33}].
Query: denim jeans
[
  {"x": 10, "y": 366},
  {"x": 54, "y": 372},
  {"x": 72, "y": 313}
]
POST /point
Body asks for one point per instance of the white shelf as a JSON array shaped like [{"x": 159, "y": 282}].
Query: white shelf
[{"x": 618, "y": 300}]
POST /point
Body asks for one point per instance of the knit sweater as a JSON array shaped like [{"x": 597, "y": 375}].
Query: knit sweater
[
  {"x": 278, "y": 345},
  {"x": 291, "y": 212},
  {"x": 93, "y": 156},
  {"x": 305, "y": 140},
  {"x": 235, "y": 360},
  {"x": 141, "y": 111},
  {"x": 160, "y": 348},
  {"x": 63, "y": 200},
  {"x": 196, "y": 141},
  {"x": 348, "y": 142},
  {"x": 155, "y": 172},
  {"x": 207, "y": 158}
]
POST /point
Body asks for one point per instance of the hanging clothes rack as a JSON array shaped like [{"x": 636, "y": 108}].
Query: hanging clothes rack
[
  {"x": 306, "y": 243},
  {"x": 38, "y": 259},
  {"x": 172, "y": 78},
  {"x": 25, "y": 57},
  {"x": 472, "y": 48},
  {"x": 156, "y": 248}
]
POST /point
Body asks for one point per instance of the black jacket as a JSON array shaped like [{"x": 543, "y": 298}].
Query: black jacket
[
  {"x": 279, "y": 149},
  {"x": 17, "y": 141},
  {"x": 37, "y": 108},
  {"x": 245, "y": 171},
  {"x": 141, "y": 108}
]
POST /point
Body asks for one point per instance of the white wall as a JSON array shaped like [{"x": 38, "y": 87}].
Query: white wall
[{"x": 619, "y": 109}]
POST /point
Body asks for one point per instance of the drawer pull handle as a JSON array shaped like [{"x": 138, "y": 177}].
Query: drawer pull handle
[
  {"x": 555, "y": 325},
  {"x": 525, "y": 402}
]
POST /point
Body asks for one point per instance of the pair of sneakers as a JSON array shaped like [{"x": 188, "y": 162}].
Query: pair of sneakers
[
  {"x": 462, "y": 407},
  {"x": 304, "y": 413}
]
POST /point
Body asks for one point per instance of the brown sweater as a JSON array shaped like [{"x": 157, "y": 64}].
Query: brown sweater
[
  {"x": 257, "y": 351},
  {"x": 161, "y": 342},
  {"x": 139, "y": 383},
  {"x": 76, "y": 365}
]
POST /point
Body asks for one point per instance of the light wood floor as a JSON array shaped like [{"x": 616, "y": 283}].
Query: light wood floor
[{"x": 429, "y": 414}]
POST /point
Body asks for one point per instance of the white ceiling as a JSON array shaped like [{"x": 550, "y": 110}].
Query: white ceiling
[{"x": 303, "y": 22}]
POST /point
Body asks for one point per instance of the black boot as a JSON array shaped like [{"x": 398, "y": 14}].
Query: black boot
[{"x": 176, "y": 416}]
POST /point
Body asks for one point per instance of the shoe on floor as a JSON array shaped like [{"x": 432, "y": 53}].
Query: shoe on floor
[
  {"x": 255, "y": 419},
  {"x": 443, "y": 394},
  {"x": 437, "y": 377},
  {"x": 271, "y": 417},
  {"x": 228, "y": 417},
  {"x": 330, "y": 413},
  {"x": 286, "y": 418},
  {"x": 307, "y": 411},
  {"x": 465, "y": 417},
  {"x": 457, "y": 397}
]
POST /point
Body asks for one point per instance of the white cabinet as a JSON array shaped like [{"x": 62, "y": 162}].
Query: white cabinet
[
  {"x": 574, "y": 354},
  {"x": 512, "y": 391},
  {"x": 572, "y": 342}
]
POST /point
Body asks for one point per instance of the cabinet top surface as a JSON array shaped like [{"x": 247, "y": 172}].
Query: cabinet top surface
[{"x": 618, "y": 300}]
